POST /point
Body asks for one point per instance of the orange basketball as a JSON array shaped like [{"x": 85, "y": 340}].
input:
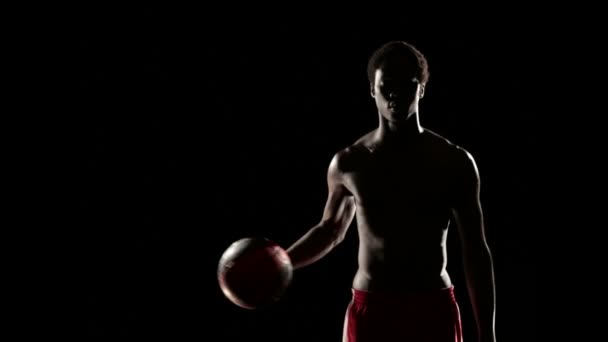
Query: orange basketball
[{"x": 254, "y": 272}]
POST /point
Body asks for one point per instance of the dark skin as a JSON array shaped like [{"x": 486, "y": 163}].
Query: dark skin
[{"x": 404, "y": 184}]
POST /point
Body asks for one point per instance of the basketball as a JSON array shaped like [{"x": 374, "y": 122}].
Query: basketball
[{"x": 254, "y": 272}]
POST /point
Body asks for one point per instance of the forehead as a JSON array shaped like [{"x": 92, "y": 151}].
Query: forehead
[{"x": 396, "y": 68}]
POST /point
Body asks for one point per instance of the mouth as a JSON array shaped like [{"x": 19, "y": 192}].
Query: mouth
[{"x": 394, "y": 106}]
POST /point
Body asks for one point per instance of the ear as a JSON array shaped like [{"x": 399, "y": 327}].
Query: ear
[
  {"x": 372, "y": 92},
  {"x": 422, "y": 86}
]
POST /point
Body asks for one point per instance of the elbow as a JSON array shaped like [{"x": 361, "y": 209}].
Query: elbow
[{"x": 334, "y": 234}]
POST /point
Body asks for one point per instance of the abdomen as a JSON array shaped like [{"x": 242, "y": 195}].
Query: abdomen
[{"x": 409, "y": 255}]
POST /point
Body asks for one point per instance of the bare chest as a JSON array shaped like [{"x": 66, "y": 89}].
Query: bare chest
[{"x": 401, "y": 183}]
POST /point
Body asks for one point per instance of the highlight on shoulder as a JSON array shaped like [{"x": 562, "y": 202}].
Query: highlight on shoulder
[{"x": 345, "y": 160}]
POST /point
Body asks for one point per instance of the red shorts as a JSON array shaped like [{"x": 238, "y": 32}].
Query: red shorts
[{"x": 431, "y": 316}]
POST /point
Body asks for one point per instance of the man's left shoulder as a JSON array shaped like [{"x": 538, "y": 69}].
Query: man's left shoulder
[
  {"x": 440, "y": 143},
  {"x": 448, "y": 150}
]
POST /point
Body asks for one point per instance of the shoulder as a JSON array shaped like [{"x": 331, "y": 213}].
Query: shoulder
[
  {"x": 365, "y": 141},
  {"x": 456, "y": 155},
  {"x": 439, "y": 142},
  {"x": 349, "y": 158},
  {"x": 346, "y": 159}
]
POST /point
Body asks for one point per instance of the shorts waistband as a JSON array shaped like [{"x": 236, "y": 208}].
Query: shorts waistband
[{"x": 362, "y": 296}]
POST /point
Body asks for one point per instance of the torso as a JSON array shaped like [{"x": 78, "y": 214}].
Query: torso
[{"x": 403, "y": 213}]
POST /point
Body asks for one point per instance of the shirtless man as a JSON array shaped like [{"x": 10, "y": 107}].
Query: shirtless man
[{"x": 404, "y": 183}]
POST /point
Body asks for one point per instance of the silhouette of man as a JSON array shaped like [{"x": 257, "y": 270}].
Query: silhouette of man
[{"x": 404, "y": 183}]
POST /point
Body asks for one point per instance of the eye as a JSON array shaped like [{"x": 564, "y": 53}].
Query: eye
[{"x": 389, "y": 85}]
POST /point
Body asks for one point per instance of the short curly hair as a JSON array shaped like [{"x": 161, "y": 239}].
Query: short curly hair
[{"x": 399, "y": 49}]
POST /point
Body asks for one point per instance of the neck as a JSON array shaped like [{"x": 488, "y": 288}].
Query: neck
[{"x": 399, "y": 131}]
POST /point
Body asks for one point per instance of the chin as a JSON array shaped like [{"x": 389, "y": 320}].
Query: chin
[{"x": 400, "y": 116}]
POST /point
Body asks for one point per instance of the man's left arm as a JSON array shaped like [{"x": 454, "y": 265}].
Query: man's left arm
[{"x": 477, "y": 258}]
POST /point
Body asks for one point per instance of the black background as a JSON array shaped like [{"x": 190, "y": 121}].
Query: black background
[{"x": 191, "y": 136}]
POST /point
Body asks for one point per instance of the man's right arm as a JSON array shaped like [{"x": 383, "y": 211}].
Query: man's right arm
[{"x": 337, "y": 218}]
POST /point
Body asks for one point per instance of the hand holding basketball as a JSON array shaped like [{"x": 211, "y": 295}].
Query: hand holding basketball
[{"x": 254, "y": 272}]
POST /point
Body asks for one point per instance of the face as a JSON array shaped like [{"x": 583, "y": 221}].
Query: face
[{"x": 396, "y": 90}]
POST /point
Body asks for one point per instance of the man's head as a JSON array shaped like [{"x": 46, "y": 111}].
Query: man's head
[{"x": 397, "y": 73}]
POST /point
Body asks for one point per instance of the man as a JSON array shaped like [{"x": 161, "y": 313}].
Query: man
[{"x": 404, "y": 183}]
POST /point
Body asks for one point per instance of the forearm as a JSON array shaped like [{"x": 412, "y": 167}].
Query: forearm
[
  {"x": 479, "y": 271},
  {"x": 311, "y": 247}
]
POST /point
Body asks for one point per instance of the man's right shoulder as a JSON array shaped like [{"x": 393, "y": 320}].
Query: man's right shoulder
[
  {"x": 350, "y": 158},
  {"x": 346, "y": 159}
]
